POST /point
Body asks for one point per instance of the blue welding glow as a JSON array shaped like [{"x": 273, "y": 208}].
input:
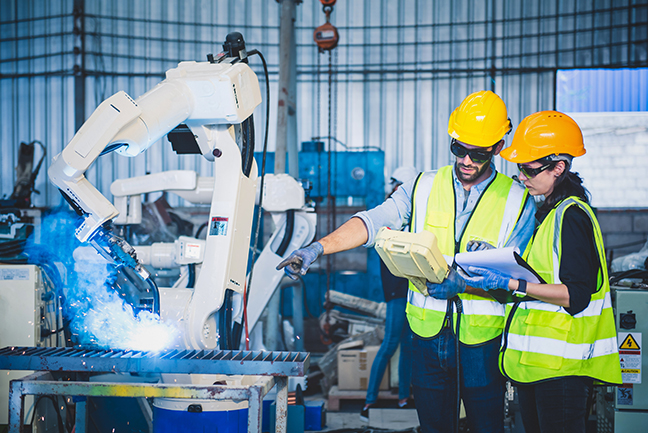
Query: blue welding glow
[{"x": 96, "y": 313}]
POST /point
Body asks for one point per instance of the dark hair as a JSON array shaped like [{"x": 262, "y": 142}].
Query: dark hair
[{"x": 567, "y": 184}]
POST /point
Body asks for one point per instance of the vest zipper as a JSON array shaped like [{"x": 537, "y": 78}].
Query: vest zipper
[
  {"x": 463, "y": 231},
  {"x": 505, "y": 338}
]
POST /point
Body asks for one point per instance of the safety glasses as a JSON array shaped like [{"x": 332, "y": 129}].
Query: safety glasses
[
  {"x": 478, "y": 156},
  {"x": 533, "y": 172}
]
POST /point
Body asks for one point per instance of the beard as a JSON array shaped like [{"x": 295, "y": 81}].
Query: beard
[{"x": 471, "y": 177}]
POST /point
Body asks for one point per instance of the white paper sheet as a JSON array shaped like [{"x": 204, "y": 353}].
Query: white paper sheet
[{"x": 499, "y": 259}]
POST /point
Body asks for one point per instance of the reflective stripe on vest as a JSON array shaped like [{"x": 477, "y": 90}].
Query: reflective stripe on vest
[
  {"x": 543, "y": 340},
  {"x": 566, "y": 350},
  {"x": 479, "y": 306},
  {"x": 493, "y": 220}
]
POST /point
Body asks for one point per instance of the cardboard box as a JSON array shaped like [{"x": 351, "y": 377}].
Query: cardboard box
[{"x": 354, "y": 369}]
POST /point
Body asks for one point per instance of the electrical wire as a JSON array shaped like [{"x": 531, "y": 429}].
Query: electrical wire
[
  {"x": 261, "y": 186},
  {"x": 303, "y": 287},
  {"x": 59, "y": 420},
  {"x": 459, "y": 306},
  {"x": 288, "y": 233},
  {"x": 200, "y": 229},
  {"x": 156, "y": 295},
  {"x": 245, "y": 318},
  {"x": 192, "y": 275},
  {"x": 615, "y": 277}
]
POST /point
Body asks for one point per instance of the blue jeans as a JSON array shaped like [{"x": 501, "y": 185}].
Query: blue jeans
[
  {"x": 396, "y": 331},
  {"x": 435, "y": 384},
  {"x": 558, "y": 405}
]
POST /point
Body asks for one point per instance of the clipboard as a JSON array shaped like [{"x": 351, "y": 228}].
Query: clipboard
[{"x": 505, "y": 260}]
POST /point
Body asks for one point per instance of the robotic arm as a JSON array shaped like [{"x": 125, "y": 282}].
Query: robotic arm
[
  {"x": 206, "y": 96},
  {"x": 283, "y": 198},
  {"x": 209, "y": 97}
]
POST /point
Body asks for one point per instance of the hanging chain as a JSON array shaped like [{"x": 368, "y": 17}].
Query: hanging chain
[
  {"x": 326, "y": 37},
  {"x": 335, "y": 93},
  {"x": 329, "y": 202},
  {"x": 318, "y": 83}
]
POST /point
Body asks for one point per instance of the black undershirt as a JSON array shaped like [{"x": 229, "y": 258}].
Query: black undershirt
[{"x": 579, "y": 262}]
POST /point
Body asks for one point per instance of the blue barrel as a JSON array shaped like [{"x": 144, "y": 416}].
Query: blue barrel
[{"x": 176, "y": 415}]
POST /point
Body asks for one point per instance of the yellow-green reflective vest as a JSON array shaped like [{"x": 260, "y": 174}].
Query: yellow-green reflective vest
[
  {"x": 493, "y": 219},
  {"x": 544, "y": 341}
]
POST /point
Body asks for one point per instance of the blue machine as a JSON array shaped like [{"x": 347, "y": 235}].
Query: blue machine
[{"x": 357, "y": 183}]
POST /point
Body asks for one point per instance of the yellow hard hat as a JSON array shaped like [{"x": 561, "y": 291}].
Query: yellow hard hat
[
  {"x": 481, "y": 120},
  {"x": 545, "y": 134}
]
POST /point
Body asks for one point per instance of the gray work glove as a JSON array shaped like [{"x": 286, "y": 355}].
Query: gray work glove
[
  {"x": 448, "y": 288},
  {"x": 300, "y": 260},
  {"x": 478, "y": 246}
]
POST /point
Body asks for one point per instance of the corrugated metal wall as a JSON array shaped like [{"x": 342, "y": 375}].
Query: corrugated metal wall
[
  {"x": 400, "y": 68},
  {"x": 602, "y": 90}
]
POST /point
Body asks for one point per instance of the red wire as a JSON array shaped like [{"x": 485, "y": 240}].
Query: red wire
[{"x": 245, "y": 317}]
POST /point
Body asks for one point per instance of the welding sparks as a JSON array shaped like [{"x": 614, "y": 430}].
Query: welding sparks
[{"x": 97, "y": 314}]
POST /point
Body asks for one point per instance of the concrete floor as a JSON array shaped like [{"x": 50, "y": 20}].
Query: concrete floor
[
  {"x": 348, "y": 417},
  {"x": 392, "y": 419}
]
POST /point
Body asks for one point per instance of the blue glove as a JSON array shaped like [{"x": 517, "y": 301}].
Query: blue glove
[
  {"x": 487, "y": 279},
  {"x": 300, "y": 260},
  {"x": 448, "y": 288},
  {"x": 478, "y": 246}
]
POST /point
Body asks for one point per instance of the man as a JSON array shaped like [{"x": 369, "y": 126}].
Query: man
[{"x": 468, "y": 201}]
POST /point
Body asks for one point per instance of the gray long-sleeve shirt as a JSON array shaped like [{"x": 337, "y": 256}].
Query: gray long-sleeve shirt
[{"x": 396, "y": 212}]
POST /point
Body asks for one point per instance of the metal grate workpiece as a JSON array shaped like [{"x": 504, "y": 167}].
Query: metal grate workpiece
[{"x": 260, "y": 363}]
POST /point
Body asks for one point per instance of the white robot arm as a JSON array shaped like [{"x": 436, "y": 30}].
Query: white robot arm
[
  {"x": 209, "y": 98},
  {"x": 281, "y": 195},
  {"x": 187, "y": 184},
  {"x": 202, "y": 95}
]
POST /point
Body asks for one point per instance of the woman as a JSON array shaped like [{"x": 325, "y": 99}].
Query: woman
[{"x": 561, "y": 337}]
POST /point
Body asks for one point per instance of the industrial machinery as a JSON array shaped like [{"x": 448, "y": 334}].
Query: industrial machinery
[
  {"x": 625, "y": 408},
  {"x": 283, "y": 198},
  {"x": 206, "y": 108},
  {"x": 28, "y": 314}
]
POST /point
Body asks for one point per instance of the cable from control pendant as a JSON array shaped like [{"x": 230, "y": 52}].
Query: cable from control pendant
[{"x": 459, "y": 307}]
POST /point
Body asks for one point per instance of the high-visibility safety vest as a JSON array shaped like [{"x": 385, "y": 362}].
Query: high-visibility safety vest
[
  {"x": 542, "y": 340},
  {"x": 495, "y": 215}
]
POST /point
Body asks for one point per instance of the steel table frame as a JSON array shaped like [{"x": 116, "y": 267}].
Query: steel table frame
[
  {"x": 273, "y": 367},
  {"x": 43, "y": 383}
]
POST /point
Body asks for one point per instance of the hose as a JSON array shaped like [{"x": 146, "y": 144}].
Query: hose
[
  {"x": 247, "y": 136},
  {"x": 228, "y": 317},
  {"x": 200, "y": 229},
  {"x": 288, "y": 233},
  {"x": 156, "y": 295},
  {"x": 261, "y": 184},
  {"x": 224, "y": 320},
  {"x": 192, "y": 275}
]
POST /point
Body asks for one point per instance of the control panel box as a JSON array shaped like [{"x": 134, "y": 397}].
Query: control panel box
[
  {"x": 632, "y": 325},
  {"x": 22, "y": 309}
]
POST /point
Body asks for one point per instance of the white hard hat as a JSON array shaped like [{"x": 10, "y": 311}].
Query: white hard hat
[{"x": 403, "y": 174}]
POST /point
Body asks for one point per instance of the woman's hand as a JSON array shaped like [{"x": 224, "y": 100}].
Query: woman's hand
[{"x": 487, "y": 279}]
